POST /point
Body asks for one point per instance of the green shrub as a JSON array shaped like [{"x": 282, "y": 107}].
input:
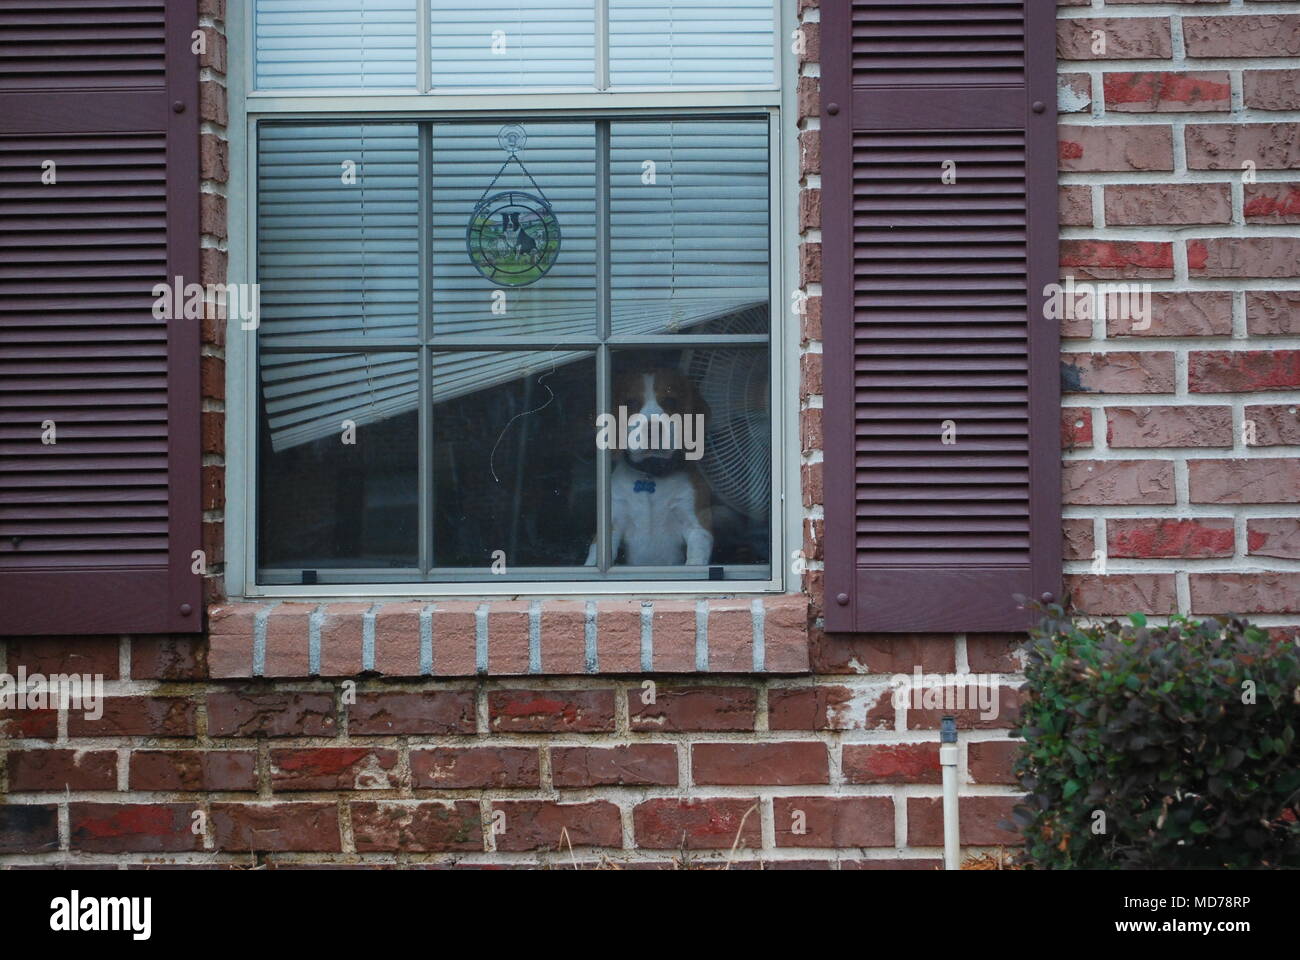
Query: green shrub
[{"x": 1159, "y": 746}]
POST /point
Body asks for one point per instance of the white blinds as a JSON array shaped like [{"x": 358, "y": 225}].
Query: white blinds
[
  {"x": 311, "y": 44},
  {"x": 690, "y": 43},
  {"x": 514, "y": 43},
  {"x": 339, "y": 230}
]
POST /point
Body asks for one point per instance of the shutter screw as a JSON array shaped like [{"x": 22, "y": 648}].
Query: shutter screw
[
  {"x": 1048, "y": 598},
  {"x": 179, "y": 106},
  {"x": 1039, "y": 106},
  {"x": 832, "y": 108},
  {"x": 842, "y": 599},
  {"x": 186, "y": 609},
  {"x": 16, "y": 541}
]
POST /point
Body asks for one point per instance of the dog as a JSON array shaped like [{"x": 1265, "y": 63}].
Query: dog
[
  {"x": 522, "y": 244},
  {"x": 661, "y": 506}
]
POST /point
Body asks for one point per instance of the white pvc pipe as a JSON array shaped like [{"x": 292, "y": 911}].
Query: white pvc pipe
[{"x": 951, "y": 830}]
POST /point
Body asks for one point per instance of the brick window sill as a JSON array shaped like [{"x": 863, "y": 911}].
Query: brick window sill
[{"x": 508, "y": 638}]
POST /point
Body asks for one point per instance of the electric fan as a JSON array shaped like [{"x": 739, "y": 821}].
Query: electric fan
[{"x": 735, "y": 383}]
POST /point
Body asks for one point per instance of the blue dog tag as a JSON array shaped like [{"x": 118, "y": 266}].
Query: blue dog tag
[{"x": 644, "y": 486}]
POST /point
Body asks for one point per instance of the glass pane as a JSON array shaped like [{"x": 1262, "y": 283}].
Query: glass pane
[
  {"x": 313, "y": 44},
  {"x": 339, "y": 461},
  {"x": 692, "y": 44},
  {"x": 514, "y": 241},
  {"x": 692, "y": 481},
  {"x": 339, "y": 230},
  {"x": 514, "y": 43},
  {"x": 513, "y": 460},
  {"x": 689, "y": 226}
]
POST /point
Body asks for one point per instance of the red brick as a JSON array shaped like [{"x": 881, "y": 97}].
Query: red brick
[
  {"x": 618, "y": 636},
  {"x": 341, "y": 631},
  {"x": 1146, "y": 539},
  {"x": 1273, "y": 313},
  {"x": 829, "y": 708},
  {"x": 397, "y": 639},
  {"x": 1117, "y": 372},
  {"x": 1113, "y": 482},
  {"x": 834, "y": 821},
  {"x": 774, "y": 764},
  {"x": 1003, "y": 706},
  {"x": 979, "y": 817},
  {"x": 29, "y": 724},
  {"x": 693, "y": 709},
  {"x": 1123, "y": 593},
  {"x": 810, "y": 263},
  {"x": 65, "y": 655},
  {"x": 1115, "y": 148},
  {"x": 892, "y": 763},
  {"x": 1076, "y": 428},
  {"x": 271, "y": 715},
  {"x": 1194, "y": 314},
  {"x": 1244, "y": 481},
  {"x": 551, "y": 711},
  {"x": 1181, "y": 426},
  {"x": 1075, "y": 206},
  {"x": 542, "y": 824},
  {"x": 1251, "y": 36},
  {"x": 508, "y": 638},
  {"x": 276, "y": 827},
  {"x": 731, "y": 636},
  {"x": 1177, "y": 204},
  {"x": 29, "y": 828},
  {"x": 193, "y": 770},
  {"x": 455, "y": 639},
  {"x": 1243, "y": 371},
  {"x": 1237, "y": 593},
  {"x": 1226, "y": 146},
  {"x": 639, "y": 764},
  {"x": 287, "y": 629},
  {"x": 432, "y": 827},
  {"x": 1244, "y": 257},
  {"x": 333, "y": 768},
  {"x": 461, "y": 768},
  {"x": 1001, "y": 652},
  {"x": 1110, "y": 259},
  {"x": 885, "y": 653},
  {"x": 785, "y": 634},
  {"x": 169, "y": 658},
  {"x": 137, "y": 717},
  {"x": 1074, "y": 93},
  {"x": 697, "y": 824},
  {"x": 1126, "y": 38},
  {"x": 54, "y": 771},
  {"x": 1272, "y": 202},
  {"x": 673, "y": 626},
  {"x": 1274, "y": 537},
  {"x": 1271, "y": 89},
  {"x": 1167, "y": 92},
  {"x": 564, "y": 636},
  {"x": 133, "y": 827},
  {"x": 429, "y": 713},
  {"x": 810, "y": 152},
  {"x": 992, "y": 761}
]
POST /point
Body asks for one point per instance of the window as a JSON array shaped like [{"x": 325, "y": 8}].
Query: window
[{"x": 520, "y": 336}]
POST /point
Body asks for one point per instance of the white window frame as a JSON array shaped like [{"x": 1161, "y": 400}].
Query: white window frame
[{"x": 247, "y": 108}]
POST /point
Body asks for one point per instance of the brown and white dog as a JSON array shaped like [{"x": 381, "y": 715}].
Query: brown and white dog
[{"x": 661, "y": 508}]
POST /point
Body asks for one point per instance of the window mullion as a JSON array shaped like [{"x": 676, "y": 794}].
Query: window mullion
[
  {"x": 425, "y": 441},
  {"x": 602, "y": 44},
  {"x": 604, "y": 365}
]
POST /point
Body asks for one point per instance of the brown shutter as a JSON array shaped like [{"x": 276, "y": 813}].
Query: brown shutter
[
  {"x": 933, "y": 299},
  {"x": 97, "y": 530}
]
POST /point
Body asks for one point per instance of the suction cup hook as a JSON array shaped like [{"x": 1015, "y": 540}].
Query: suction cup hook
[{"x": 512, "y": 138}]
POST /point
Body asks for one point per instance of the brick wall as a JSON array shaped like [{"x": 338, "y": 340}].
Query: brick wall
[{"x": 299, "y": 734}]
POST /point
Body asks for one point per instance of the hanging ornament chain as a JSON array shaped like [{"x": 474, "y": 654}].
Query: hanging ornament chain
[{"x": 513, "y": 139}]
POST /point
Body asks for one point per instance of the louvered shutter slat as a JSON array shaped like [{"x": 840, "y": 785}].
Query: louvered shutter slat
[
  {"x": 97, "y": 529},
  {"x": 933, "y": 313}
]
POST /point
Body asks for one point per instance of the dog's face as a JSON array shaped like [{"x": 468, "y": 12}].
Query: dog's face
[{"x": 670, "y": 398}]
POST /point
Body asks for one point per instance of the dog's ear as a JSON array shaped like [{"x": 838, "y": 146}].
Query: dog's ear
[{"x": 698, "y": 403}]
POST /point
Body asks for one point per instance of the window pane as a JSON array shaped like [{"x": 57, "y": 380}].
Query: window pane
[
  {"x": 339, "y": 461},
  {"x": 311, "y": 44},
  {"x": 339, "y": 229},
  {"x": 707, "y": 468},
  {"x": 691, "y": 44},
  {"x": 514, "y": 43},
  {"x": 689, "y": 226},
  {"x": 513, "y": 459},
  {"x": 488, "y": 261}
]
